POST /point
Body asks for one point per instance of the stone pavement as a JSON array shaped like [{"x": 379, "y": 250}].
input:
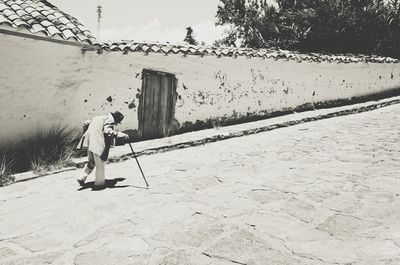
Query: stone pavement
[{"x": 323, "y": 192}]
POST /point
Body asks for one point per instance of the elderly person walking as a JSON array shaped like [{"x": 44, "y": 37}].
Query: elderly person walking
[{"x": 98, "y": 136}]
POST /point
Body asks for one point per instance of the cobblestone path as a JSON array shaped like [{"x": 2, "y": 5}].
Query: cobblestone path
[{"x": 324, "y": 192}]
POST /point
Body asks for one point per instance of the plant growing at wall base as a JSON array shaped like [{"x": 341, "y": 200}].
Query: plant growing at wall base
[
  {"x": 6, "y": 165},
  {"x": 51, "y": 149}
]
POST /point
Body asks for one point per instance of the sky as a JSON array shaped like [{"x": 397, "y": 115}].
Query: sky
[{"x": 147, "y": 20}]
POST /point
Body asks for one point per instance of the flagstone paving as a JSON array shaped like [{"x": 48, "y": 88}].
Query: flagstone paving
[{"x": 324, "y": 192}]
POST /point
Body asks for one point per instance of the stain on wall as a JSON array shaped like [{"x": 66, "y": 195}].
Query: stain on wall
[{"x": 132, "y": 105}]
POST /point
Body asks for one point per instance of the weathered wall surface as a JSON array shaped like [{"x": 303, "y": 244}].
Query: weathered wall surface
[{"x": 43, "y": 83}]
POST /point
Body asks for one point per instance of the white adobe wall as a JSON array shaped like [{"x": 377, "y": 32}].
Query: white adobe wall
[{"x": 43, "y": 83}]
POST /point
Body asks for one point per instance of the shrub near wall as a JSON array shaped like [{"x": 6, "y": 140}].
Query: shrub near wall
[{"x": 41, "y": 151}]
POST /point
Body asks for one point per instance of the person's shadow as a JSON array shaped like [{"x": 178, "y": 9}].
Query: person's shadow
[{"x": 109, "y": 184}]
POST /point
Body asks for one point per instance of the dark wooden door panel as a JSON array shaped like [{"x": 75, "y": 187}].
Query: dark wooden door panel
[
  {"x": 164, "y": 105},
  {"x": 156, "y": 106}
]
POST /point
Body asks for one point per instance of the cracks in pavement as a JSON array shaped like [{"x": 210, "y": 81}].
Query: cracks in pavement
[
  {"x": 236, "y": 165},
  {"x": 237, "y": 215},
  {"x": 131, "y": 221},
  {"x": 258, "y": 206},
  {"x": 357, "y": 183},
  {"x": 85, "y": 241},
  {"x": 243, "y": 183},
  {"x": 397, "y": 244},
  {"x": 154, "y": 238},
  {"x": 261, "y": 189},
  {"x": 302, "y": 256},
  {"x": 285, "y": 192},
  {"x": 47, "y": 257},
  {"x": 26, "y": 234},
  {"x": 298, "y": 218},
  {"x": 24, "y": 248},
  {"x": 223, "y": 258},
  {"x": 337, "y": 211},
  {"x": 162, "y": 193},
  {"x": 254, "y": 227},
  {"x": 309, "y": 257},
  {"x": 19, "y": 197},
  {"x": 203, "y": 214},
  {"x": 224, "y": 235},
  {"x": 197, "y": 213},
  {"x": 283, "y": 243},
  {"x": 207, "y": 255},
  {"x": 390, "y": 261},
  {"x": 214, "y": 251},
  {"x": 145, "y": 240},
  {"x": 91, "y": 237},
  {"x": 218, "y": 179}
]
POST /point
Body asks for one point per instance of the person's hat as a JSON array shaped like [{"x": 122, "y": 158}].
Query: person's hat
[{"x": 118, "y": 117}]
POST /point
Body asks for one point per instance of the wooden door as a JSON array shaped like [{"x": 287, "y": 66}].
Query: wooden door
[{"x": 156, "y": 104}]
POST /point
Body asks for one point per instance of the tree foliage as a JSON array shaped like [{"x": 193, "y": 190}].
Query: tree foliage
[
  {"x": 189, "y": 37},
  {"x": 337, "y": 26}
]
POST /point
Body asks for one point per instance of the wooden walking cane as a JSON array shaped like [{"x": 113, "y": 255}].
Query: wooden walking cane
[{"x": 134, "y": 155}]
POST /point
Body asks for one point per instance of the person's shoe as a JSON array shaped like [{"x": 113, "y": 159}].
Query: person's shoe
[
  {"x": 81, "y": 182},
  {"x": 99, "y": 187}
]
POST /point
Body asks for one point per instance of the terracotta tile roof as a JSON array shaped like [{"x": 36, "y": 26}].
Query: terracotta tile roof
[
  {"x": 167, "y": 48},
  {"x": 41, "y": 17}
]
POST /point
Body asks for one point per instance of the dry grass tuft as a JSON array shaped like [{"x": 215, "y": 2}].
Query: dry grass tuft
[{"x": 41, "y": 152}]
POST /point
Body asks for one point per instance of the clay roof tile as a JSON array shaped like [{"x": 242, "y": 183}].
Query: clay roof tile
[
  {"x": 81, "y": 37},
  {"x": 123, "y": 46},
  {"x": 46, "y": 23},
  {"x": 3, "y": 6},
  {"x": 92, "y": 40},
  {"x": 19, "y": 22},
  {"x": 64, "y": 20},
  {"x": 53, "y": 30},
  {"x": 13, "y": 17},
  {"x": 29, "y": 9},
  {"x": 67, "y": 33},
  {"x": 45, "y": 13},
  {"x": 175, "y": 50},
  {"x": 70, "y": 25},
  {"x": 52, "y": 18},
  {"x": 133, "y": 46},
  {"x": 15, "y": 7},
  {"x": 115, "y": 48},
  {"x": 41, "y": 17},
  {"x": 21, "y": 12},
  {"x": 35, "y": 13},
  {"x": 35, "y": 28},
  {"x": 155, "y": 48},
  {"x": 4, "y": 19},
  {"x": 8, "y": 12}
]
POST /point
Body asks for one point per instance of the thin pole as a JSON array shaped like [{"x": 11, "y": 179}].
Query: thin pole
[
  {"x": 134, "y": 155},
  {"x": 99, "y": 9}
]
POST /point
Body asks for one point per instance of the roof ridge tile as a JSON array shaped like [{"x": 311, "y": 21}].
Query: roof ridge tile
[{"x": 269, "y": 53}]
